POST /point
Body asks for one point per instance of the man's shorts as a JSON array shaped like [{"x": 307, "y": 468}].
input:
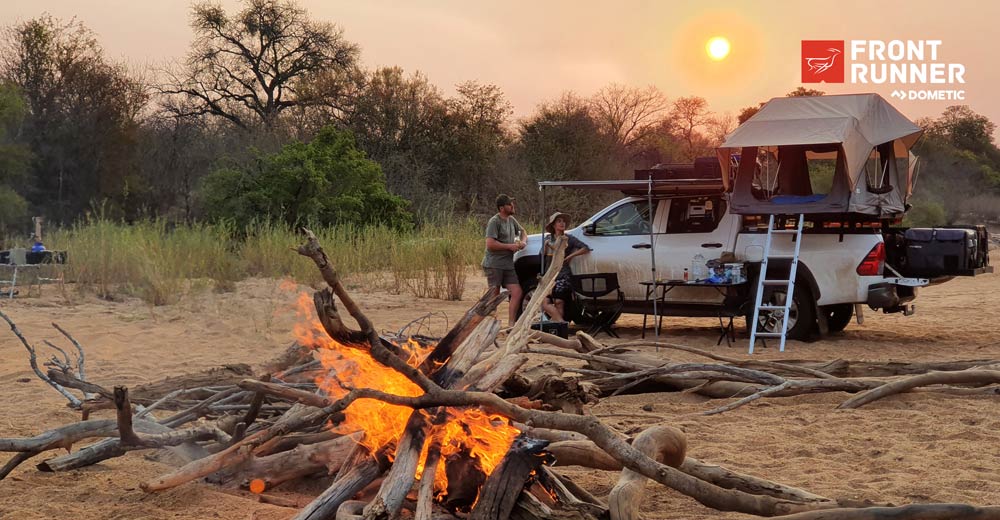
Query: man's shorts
[{"x": 500, "y": 277}]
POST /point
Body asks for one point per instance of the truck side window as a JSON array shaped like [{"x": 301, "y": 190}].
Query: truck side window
[
  {"x": 695, "y": 215},
  {"x": 631, "y": 218}
]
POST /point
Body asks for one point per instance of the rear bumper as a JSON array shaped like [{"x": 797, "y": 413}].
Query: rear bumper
[{"x": 890, "y": 297}]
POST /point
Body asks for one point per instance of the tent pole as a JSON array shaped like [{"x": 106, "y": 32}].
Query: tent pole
[{"x": 652, "y": 256}]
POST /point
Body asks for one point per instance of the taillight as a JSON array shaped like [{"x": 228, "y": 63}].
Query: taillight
[{"x": 873, "y": 262}]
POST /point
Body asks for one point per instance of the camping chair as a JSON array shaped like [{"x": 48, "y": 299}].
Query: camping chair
[{"x": 601, "y": 314}]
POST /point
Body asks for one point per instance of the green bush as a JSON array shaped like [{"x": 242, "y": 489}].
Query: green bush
[
  {"x": 926, "y": 214},
  {"x": 326, "y": 181}
]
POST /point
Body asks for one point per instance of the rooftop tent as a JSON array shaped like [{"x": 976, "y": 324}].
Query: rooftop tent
[{"x": 823, "y": 154}]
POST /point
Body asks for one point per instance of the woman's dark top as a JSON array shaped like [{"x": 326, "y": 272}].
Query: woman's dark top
[{"x": 563, "y": 289}]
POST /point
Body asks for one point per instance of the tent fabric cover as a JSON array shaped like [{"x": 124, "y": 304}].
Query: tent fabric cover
[{"x": 856, "y": 122}]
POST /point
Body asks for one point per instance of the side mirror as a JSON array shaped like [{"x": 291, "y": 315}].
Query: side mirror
[{"x": 590, "y": 229}]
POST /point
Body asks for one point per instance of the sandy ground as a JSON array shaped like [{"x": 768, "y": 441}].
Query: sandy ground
[{"x": 906, "y": 449}]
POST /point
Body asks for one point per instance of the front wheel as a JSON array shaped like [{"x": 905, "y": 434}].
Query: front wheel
[{"x": 801, "y": 313}]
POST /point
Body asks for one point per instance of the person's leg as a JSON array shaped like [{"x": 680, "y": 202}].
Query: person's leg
[
  {"x": 515, "y": 302},
  {"x": 561, "y": 307},
  {"x": 513, "y": 285},
  {"x": 552, "y": 309},
  {"x": 494, "y": 277}
]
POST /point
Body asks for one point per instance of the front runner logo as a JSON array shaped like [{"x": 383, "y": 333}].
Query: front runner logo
[{"x": 822, "y": 61}]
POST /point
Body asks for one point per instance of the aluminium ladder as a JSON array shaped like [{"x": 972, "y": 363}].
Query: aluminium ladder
[{"x": 763, "y": 281}]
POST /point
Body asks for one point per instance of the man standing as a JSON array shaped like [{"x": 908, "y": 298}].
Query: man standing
[{"x": 504, "y": 237}]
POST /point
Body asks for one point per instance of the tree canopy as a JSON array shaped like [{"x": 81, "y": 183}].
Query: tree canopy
[
  {"x": 325, "y": 181},
  {"x": 250, "y": 67}
]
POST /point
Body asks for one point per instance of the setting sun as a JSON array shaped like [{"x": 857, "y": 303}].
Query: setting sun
[{"x": 717, "y": 48}]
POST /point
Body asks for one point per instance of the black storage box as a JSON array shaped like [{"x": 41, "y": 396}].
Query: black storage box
[
  {"x": 559, "y": 328},
  {"x": 983, "y": 240},
  {"x": 934, "y": 252},
  {"x": 46, "y": 257}
]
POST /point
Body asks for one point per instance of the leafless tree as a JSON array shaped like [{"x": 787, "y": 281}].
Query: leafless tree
[
  {"x": 719, "y": 127},
  {"x": 249, "y": 67},
  {"x": 688, "y": 115},
  {"x": 629, "y": 114}
]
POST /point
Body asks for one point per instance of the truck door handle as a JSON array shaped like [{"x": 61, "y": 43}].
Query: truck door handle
[
  {"x": 712, "y": 245},
  {"x": 641, "y": 246}
]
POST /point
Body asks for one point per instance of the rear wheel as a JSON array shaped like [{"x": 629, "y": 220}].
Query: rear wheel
[
  {"x": 801, "y": 312},
  {"x": 838, "y": 316}
]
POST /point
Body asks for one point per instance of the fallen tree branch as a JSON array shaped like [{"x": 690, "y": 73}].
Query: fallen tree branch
[
  {"x": 663, "y": 444},
  {"x": 604, "y": 437},
  {"x": 774, "y": 365},
  {"x": 909, "y": 512},
  {"x": 71, "y": 381},
  {"x": 982, "y": 377},
  {"x": 33, "y": 360}
]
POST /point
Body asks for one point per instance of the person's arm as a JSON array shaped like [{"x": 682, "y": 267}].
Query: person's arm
[
  {"x": 581, "y": 249},
  {"x": 492, "y": 233},
  {"x": 495, "y": 245}
]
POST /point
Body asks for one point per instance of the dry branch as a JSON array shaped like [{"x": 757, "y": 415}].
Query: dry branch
[
  {"x": 502, "y": 487},
  {"x": 664, "y": 444},
  {"x": 910, "y": 512},
  {"x": 33, "y": 361},
  {"x": 979, "y": 377}
]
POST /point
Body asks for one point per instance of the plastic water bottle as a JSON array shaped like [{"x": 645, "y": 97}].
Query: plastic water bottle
[{"x": 698, "y": 267}]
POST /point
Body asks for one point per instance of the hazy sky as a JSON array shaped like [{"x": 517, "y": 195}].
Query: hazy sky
[{"x": 535, "y": 50}]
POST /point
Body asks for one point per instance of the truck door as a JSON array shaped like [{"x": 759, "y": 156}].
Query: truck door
[
  {"x": 619, "y": 239},
  {"x": 694, "y": 225}
]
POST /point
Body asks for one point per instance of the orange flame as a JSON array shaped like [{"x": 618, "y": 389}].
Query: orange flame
[{"x": 485, "y": 437}]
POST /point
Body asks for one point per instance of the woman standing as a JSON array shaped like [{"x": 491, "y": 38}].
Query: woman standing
[{"x": 555, "y": 305}]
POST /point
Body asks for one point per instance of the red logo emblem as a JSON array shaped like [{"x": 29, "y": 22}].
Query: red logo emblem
[{"x": 822, "y": 61}]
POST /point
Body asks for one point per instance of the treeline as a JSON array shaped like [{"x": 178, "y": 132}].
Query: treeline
[{"x": 271, "y": 114}]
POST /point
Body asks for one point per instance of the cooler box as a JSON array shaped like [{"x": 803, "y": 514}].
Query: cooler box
[
  {"x": 559, "y": 328},
  {"x": 940, "y": 251}
]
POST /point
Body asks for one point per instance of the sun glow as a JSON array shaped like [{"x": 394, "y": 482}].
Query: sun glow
[{"x": 717, "y": 48}]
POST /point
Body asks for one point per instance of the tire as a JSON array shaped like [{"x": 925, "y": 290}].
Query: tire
[
  {"x": 802, "y": 314},
  {"x": 838, "y": 316}
]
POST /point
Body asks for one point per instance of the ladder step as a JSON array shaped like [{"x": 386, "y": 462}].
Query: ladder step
[
  {"x": 769, "y": 334},
  {"x": 772, "y": 308},
  {"x": 785, "y": 231},
  {"x": 780, "y": 257},
  {"x": 776, "y": 282}
]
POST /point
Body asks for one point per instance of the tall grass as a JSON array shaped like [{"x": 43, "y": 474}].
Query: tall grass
[{"x": 158, "y": 262}]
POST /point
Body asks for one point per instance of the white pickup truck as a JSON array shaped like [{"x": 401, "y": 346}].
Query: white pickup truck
[
  {"x": 842, "y": 263},
  {"x": 843, "y": 162}
]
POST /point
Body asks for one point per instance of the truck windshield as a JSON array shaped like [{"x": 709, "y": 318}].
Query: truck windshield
[{"x": 630, "y": 218}]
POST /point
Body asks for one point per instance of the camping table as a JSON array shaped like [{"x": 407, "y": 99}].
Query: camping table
[
  {"x": 726, "y": 310},
  {"x": 34, "y": 268}
]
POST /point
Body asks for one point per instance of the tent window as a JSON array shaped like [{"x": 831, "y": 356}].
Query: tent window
[
  {"x": 696, "y": 214},
  {"x": 790, "y": 174},
  {"x": 880, "y": 168}
]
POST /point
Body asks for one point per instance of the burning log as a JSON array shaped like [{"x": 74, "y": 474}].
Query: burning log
[
  {"x": 358, "y": 470},
  {"x": 504, "y": 485},
  {"x": 302, "y": 460}
]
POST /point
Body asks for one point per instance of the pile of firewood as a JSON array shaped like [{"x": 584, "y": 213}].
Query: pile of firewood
[{"x": 440, "y": 460}]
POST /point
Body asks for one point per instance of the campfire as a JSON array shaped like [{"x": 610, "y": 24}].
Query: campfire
[
  {"x": 401, "y": 425},
  {"x": 462, "y": 447}
]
